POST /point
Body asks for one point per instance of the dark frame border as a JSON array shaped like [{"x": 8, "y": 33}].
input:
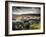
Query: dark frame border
[{"x": 6, "y": 18}]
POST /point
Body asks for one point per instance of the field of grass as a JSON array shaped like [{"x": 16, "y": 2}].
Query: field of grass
[{"x": 34, "y": 26}]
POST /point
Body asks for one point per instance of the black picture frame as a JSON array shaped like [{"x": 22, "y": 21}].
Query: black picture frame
[{"x": 6, "y": 18}]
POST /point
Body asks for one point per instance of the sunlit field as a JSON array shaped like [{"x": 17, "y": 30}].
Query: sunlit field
[
  {"x": 35, "y": 26},
  {"x": 26, "y": 22}
]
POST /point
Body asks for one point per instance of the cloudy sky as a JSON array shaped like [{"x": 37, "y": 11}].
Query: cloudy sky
[{"x": 25, "y": 10}]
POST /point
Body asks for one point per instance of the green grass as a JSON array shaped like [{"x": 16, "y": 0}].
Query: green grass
[{"x": 35, "y": 26}]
